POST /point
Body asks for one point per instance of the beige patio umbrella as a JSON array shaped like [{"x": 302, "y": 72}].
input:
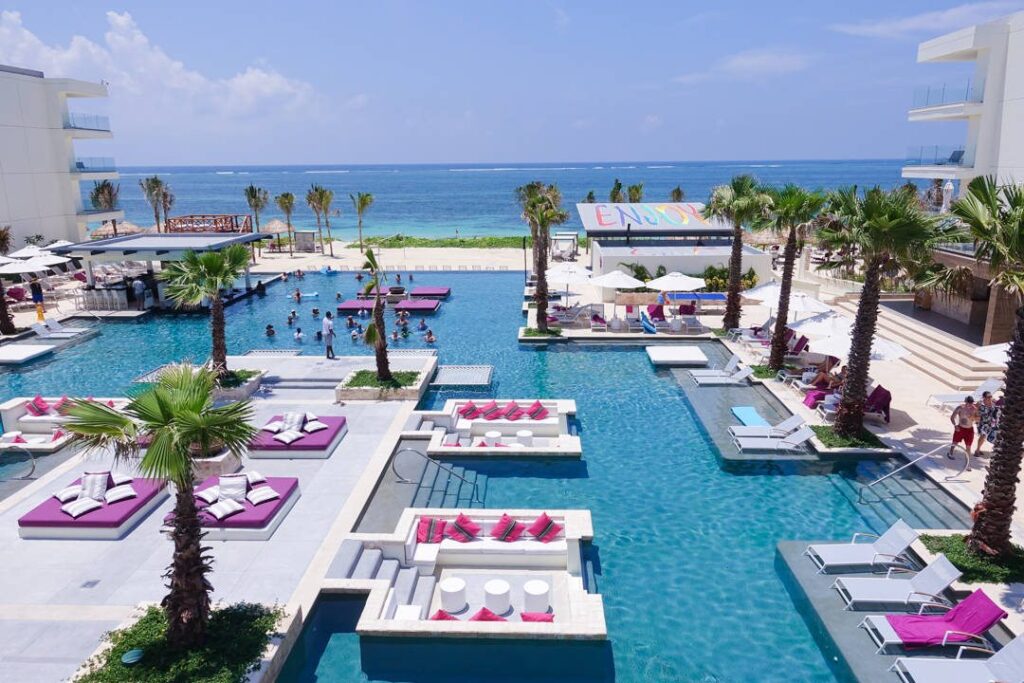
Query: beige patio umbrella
[
  {"x": 107, "y": 230},
  {"x": 275, "y": 226}
]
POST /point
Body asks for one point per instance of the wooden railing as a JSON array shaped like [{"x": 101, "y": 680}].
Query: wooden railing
[{"x": 209, "y": 223}]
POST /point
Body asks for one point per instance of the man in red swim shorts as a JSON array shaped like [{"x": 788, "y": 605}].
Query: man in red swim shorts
[{"x": 963, "y": 419}]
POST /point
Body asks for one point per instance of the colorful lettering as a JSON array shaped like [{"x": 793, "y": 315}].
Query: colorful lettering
[{"x": 602, "y": 220}]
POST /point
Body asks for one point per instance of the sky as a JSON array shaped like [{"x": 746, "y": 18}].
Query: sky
[{"x": 301, "y": 82}]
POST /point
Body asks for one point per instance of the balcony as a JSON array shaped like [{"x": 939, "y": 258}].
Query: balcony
[
  {"x": 947, "y": 101},
  {"x": 939, "y": 161},
  {"x": 87, "y": 122},
  {"x": 94, "y": 168}
]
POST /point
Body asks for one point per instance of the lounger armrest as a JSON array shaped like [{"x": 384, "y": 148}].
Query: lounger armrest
[
  {"x": 898, "y": 558},
  {"x": 858, "y": 534},
  {"x": 933, "y": 605},
  {"x": 973, "y": 648},
  {"x": 938, "y": 598},
  {"x": 973, "y": 636},
  {"x": 897, "y": 570}
]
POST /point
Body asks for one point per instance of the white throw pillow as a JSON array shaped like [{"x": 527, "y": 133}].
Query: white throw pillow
[
  {"x": 225, "y": 509},
  {"x": 94, "y": 485},
  {"x": 261, "y": 494},
  {"x": 68, "y": 493},
  {"x": 119, "y": 493},
  {"x": 79, "y": 507},
  {"x": 254, "y": 478},
  {"x": 315, "y": 426},
  {"x": 288, "y": 437},
  {"x": 310, "y": 417},
  {"x": 209, "y": 495},
  {"x": 233, "y": 487},
  {"x": 120, "y": 478},
  {"x": 293, "y": 422},
  {"x": 273, "y": 427}
]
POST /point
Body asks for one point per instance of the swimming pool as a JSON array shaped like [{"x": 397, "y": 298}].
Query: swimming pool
[{"x": 686, "y": 549}]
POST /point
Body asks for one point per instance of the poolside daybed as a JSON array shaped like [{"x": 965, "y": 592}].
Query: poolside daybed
[
  {"x": 110, "y": 521},
  {"x": 318, "y": 444},
  {"x": 50, "y": 442},
  {"x": 350, "y": 306},
  {"x": 429, "y": 292},
  {"x": 16, "y": 415},
  {"x": 418, "y": 305},
  {"x": 255, "y": 522}
]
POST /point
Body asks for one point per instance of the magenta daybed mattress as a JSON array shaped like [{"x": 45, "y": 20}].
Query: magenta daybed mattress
[
  {"x": 418, "y": 305},
  {"x": 253, "y": 516},
  {"x": 430, "y": 292},
  {"x": 317, "y": 441},
  {"x": 355, "y": 305},
  {"x": 49, "y": 514}
]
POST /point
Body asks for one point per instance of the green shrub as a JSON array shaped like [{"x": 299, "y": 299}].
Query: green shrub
[
  {"x": 763, "y": 371},
  {"x": 534, "y": 332},
  {"x": 827, "y": 435},
  {"x": 405, "y": 241},
  {"x": 368, "y": 378},
  {"x": 978, "y": 568},
  {"x": 236, "y": 378}
]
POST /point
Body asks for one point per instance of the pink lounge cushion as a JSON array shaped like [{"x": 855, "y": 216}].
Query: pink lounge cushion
[
  {"x": 57, "y": 434},
  {"x": 110, "y": 403},
  {"x": 430, "y": 530},
  {"x": 515, "y": 415},
  {"x": 61, "y": 405},
  {"x": 32, "y": 409},
  {"x": 487, "y": 410},
  {"x": 545, "y": 529},
  {"x": 537, "y": 411},
  {"x": 463, "y": 529},
  {"x": 509, "y": 407},
  {"x": 441, "y": 615},
  {"x": 537, "y": 616},
  {"x": 507, "y": 529},
  {"x": 40, "y": 403},
  {"x": 486, "y": 615},
  {"x": 19, "y": 439},
  {"x": 468, "y": 409}
]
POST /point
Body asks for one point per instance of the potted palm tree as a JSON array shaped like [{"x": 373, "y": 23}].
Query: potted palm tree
[
  {"x": 159, "y": 432},
  {"x": 740, "y": 202}
]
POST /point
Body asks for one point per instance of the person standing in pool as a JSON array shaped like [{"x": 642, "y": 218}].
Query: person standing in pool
[
  {"x": 298, "y": 336},
  {"x": 327, "y": 327},
  {"x": 270, "y": 331},
  {"x": 297, "y": 296}
]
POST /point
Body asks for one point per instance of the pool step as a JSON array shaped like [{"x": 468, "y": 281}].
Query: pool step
[{"x": 440, "y": 487}]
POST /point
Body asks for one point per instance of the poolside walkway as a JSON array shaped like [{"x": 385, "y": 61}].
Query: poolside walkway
[{"x": 61, "y": 596}]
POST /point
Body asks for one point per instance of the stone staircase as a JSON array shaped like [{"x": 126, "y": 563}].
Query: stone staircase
[
  {"x": 933, "y": 352},
  {"x": 441, "y": 488},
  {"x": 408, "y": 586}
]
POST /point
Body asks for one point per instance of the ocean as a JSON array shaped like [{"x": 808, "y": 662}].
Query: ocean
[{"x": 442, "y": 200}]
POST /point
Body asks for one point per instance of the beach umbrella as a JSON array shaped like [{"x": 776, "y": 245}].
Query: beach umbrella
[
  {"x": 275, "y": 227},
  {"x": 616, "y": 279},
  {"x": 48, "y": 260},
  {"x": 7, "y": 259},
  {"x": 24, "y": 267},
  {"x": 799, "y": 302},
  {"x": 569, "y": 267},
  {"x": 839, "y": 346},
  {"x": 828, "y": 324},
  {"x": 676, "y": 282},
  {"x": 123, "y": 228},
  {"x": 993, "y": 353},
  {"x": 59, "y": 243},
  {"x": 768, "y": 293},
  {"x": 566, "y": 277},
  {"x": 27, "y": 252}
]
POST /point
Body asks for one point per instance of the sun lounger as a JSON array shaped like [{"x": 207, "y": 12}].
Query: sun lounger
[
  {"x": 44, "y": 332},
  {"x": 727, "y": 369},
  {"x": 888, "y": 549},
  {"x": 737, "y": 378},
  {"x": 737, "y": 332},
  {"x": 749, "y": 417},
  {"x": 1005, "y": 665},
  {"x": 55, "y": 326},
  {"x": 598, "y": 324},
  {"x": 925, "y": 586},
  {"x": 779, "y": 431},
  {"x": 948, "y": 400},
  {"x": 967, "y": 622},
  {"x": 791, "y": 442}
]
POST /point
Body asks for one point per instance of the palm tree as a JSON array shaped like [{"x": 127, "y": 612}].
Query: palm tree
[
  {"x": 591, "y": 198},
  {"x": 104, "y": 197},
  {"x": 6, "y": 321},
  {"x": 890, "y": 232},
  {"x": 376, "y": 333},
  {"x": 616, "y": 196},
  {"x": 361, "y": 201},
  {"x": 286, "y": 202},
  {"x": 542, "y": 208},
  {"x": 793, "y": 210},
  {"x": 153, "y": 190},
  {"x": 257, "y": 198},
  {"x": 741, "y": 201},
  {"x": 202, "y": 276},
  {"x": 326, "y": 199},
  {"x": 166, "y": 203},
  {"x": 676, "y": 195},
  {"x": 635, "y": 193},
  {"x": 178, "y": 422},
  {"x": 313, "y": 201},
  {"x": 993, "y": 215}
]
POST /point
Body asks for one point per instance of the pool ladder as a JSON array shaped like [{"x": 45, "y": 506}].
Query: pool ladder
[
  {"x": 930, "y": 454},
  {"x": 32, "y": 463},
  {"x": 440, "y": 466}
]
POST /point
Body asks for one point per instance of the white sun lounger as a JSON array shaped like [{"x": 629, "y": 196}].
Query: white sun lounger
[
  {"x": 55, "y": 326},
  {"x": 45, "y": 333},
  {"x": 947, "y": 400},
  {"x": 791, "y": 442},
  {"x": 723, "y": 371},
  {"x": 737, "y": 378},
  {"x": 924, "y": 586},
  {"x": 888, "y": 549},
  {"x": 1005, "y": 665},
  {"x": 779, "y": 431}
]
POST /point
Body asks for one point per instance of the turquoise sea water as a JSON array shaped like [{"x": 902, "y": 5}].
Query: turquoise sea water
[
  {"x": 438, "y": 199},
  {"x": 686, "y": 549}
]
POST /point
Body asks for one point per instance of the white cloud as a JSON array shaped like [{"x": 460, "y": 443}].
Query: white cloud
[
  {"x": 650, "y": 122},
  {"x": 937, "y": 22},
  {"x": 357, "y": 101},
  {"x": 145, "y": 81},
  {"x": 561, "y": 18},
  {"x": 750, "y": 64}
]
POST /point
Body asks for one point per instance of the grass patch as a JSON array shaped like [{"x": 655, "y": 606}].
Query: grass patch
[
  {"x": 719, "y": 332},
  {"x": 978, "y": 568},
  {"x": 237, "y": 636},
  {"x": 406, "y": 242},
  {"x": 534, "y": 332},
  {"x": 368, "y": 378},
  {"x": 827, "y": 435},
  {"x": 236, "y": 378},
  {"x": 763, "y": 372}
]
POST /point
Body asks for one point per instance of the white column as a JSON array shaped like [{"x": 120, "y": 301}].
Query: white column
[
  {"x": 248, "y": 281},
  {"x": 89, "y": 278}
]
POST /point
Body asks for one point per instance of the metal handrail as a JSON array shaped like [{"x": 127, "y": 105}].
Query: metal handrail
[
  {"x": 31, "y": 458},
  {"x": 449, "y": 470},
  {"x": 929, "y": 454}
]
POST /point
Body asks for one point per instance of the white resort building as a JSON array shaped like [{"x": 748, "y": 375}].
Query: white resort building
[{"x": 40, "y": 173}]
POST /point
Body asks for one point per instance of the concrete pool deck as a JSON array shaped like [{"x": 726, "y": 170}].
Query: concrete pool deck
[{"x": 61, "y": 596}]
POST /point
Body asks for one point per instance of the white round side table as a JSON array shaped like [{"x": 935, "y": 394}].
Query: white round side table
[
  {"x": 453, "y": 594},
  {"x": 536, "y": 596},
  {"x": 497, "y": 596}
]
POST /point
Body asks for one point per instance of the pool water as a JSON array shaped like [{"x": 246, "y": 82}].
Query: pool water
[{"x": 686, "y": 549}]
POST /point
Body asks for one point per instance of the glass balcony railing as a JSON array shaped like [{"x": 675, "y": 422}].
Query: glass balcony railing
[
  {"x": 939, "y": 155},
  {"x": 93, "y": 165},
  {"x": 962, "y": 248},
  {"x": 948, "y": 93},
  {"x": 78, "y": 121}
]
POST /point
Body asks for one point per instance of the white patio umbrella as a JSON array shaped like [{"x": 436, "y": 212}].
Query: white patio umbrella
[
  {"x": 800, "y": 302},
  {"x": 616, "y": 279},
  {"x": 59, "y": 243},
  {"x": 48, "y": 260},
  {"x": 569, "y": 267},
  {"x": 828, "y": 324},
  {"x": 676, "y": 282},
  {"x": 839, "y": 346},
  {"x": 7, "y": 259},
  {"x": 993, "y": 353},
  {"x": 768, "y": 293},
  {"x": 27, "y": 252},
  {"x": 566, "y": 277},
  {"x": 23, "y": 267}
]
